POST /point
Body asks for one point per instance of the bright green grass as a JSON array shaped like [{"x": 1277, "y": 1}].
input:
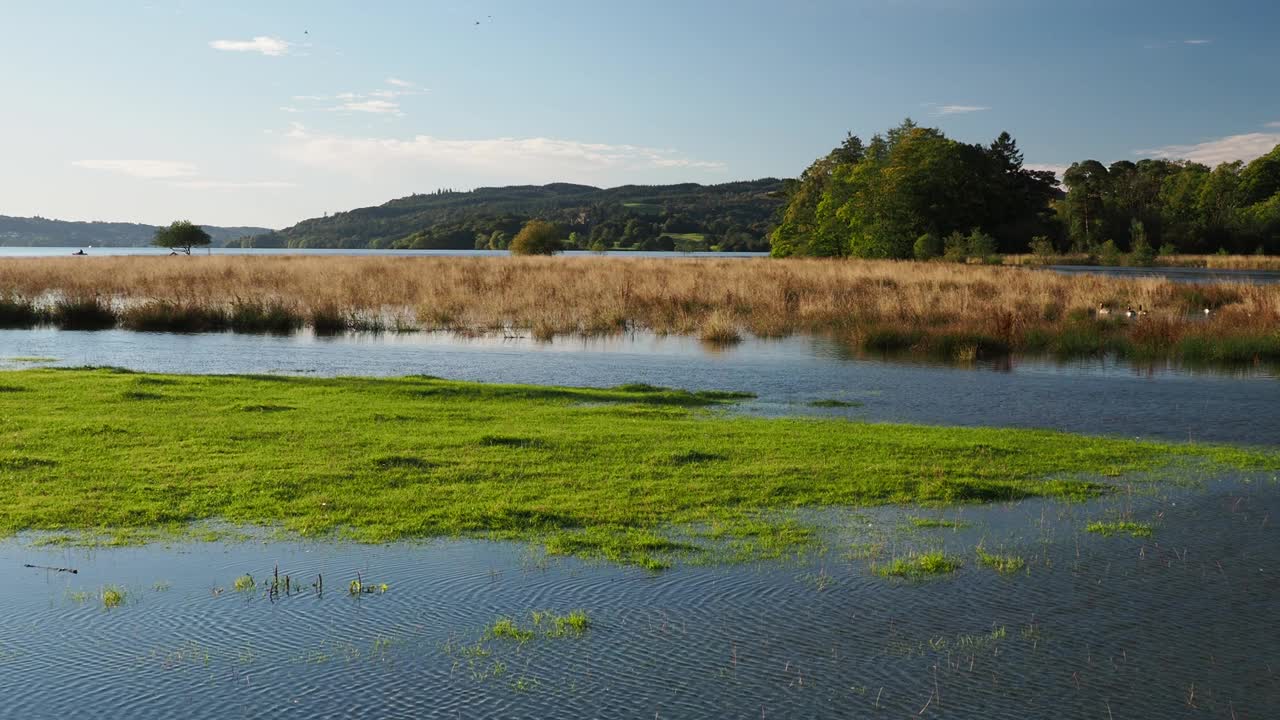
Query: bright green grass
[
  {"x": 919, "y": 565},
  {"x": 1001, "y": 563},
  {"x": 588, "y": 472},
  {"x": 1120, "y": 527}
]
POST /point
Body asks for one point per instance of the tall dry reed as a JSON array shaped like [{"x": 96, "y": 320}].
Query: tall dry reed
[{"x": 955, "y": 309}]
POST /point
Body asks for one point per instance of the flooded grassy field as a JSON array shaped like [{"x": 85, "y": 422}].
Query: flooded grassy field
[
  {"x": 1171, "y": 616},
  {"x": 1152, "y": 599}
]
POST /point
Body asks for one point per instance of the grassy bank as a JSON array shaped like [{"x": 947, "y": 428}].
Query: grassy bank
[
  {"x": 954, "y": 312},
  {"x": 592, "y": 472}
]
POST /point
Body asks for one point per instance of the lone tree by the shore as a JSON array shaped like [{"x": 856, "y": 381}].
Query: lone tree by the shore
[
  {"x": 537, "y": 237},
  {"x": 181, "y": 235}
]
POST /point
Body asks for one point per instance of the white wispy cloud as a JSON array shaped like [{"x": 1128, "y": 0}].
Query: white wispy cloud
[
  {"x": 270, "y": 46},
  {"x": 147, "y": 169},
  {"x": 175, "y": 173},
  {"x": 377, "y": 107},
  {"x": 506, "y": 157},
  {"x": 1275, "y": 124},
  {"x": 960, "y": 109},
  {"x": 233, "y": 184},
  {"x": 383, "y": 101},
  {"x": 1244, "y": 147},
  {"x": 1196, "y": 42}
]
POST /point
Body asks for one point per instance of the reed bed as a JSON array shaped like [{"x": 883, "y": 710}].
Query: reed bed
[
  {"x": 957, "y": 312},
  {"x": 1270, "y": 263}
]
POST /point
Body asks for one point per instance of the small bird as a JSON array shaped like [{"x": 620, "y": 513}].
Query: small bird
[
  {"x": 1129, "y": 312},
  {"x": 1206, "y": 311},
  {"x": 1103, "y": 310}
]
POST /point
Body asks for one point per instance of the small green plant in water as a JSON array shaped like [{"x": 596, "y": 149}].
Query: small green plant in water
[
  {"x": 113, "y": 596},
  {"x": 920, "y": 565},
  {"x": 1004, "y": 564},
  {"x": 507, "y": 629},
  {"x": 245, "y": 583},
  {"x": 1120, "y": 527},
  {"x": 359, "y": 587}
]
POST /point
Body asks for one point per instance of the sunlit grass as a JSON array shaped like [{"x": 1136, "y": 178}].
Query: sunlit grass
[
  {"x": 641, "y": 477},
  {"x": 919, "y": 565},
  {"x": 1120, "y": 527},
  {"x": 873, "y": 306}
]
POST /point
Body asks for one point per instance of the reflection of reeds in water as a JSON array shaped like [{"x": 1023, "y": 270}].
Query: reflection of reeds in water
[{"x": 956, "y": 312}]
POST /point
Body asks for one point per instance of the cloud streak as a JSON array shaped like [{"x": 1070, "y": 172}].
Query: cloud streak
[
  {"x": 146, "y": 169},
  {"x": 269, "y": 46},
  {"x": 175, "y": 173},
  {"x": 960, "y": 109},
  {"x": 1244, "y": 147},
  {"x": 504, "y": 157}
]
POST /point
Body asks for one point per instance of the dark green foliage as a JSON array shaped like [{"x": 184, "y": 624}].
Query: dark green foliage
[
  {"x": 891, "y": 198},
  {"x": 181, "y": 235},
  {"x": 42, "y": 232},
  {"x": 1179, "y": 206},
  {"x": 732, "y": 216}
]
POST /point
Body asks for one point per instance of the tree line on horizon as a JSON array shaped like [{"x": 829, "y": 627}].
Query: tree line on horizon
[
  {"x": 914, "y": 192},
  {"x": 729, "y": 216}
]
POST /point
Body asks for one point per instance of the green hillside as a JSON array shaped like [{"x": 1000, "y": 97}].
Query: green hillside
[
  {"x": 731, "y": 216},
  {"x": 42, "y": 232}
]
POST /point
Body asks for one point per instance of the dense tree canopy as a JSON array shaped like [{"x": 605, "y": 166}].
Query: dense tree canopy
[
  {"x": 880, "y": 199},
  {"x": 1180, "y": 206},
  {"x": 730, "y": 216},
  {"x": 913, "y": 192},
  {"x": 181, "y": 235}
]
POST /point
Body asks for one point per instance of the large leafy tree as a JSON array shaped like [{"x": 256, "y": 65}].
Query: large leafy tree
[
  {"x": 877, "y": 200},
  {"x": 181, "y": 235},
  {"x": 537, "y": 237}
]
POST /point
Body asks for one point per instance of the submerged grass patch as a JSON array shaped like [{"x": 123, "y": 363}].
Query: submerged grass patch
[
  {"x": 577, "y": 469},
  {"x": 931, "y": 523},
  {"x": 832, "y": 403},
  {"x": 1120, "y": 527},
  {"x": 1002, "y": 563},
  {"x": 919, "y": 565}
]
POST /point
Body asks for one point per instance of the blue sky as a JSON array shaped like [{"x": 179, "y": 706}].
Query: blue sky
[{"x": 267, "y": 113}]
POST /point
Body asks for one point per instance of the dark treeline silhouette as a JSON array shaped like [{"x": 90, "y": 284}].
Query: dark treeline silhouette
[
  {"x": 731, "y": 216},
  {"x": 43, "y": 232},
  {"x": 913, "y": 192}
]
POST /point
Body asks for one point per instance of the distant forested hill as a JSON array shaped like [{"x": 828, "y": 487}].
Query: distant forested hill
[
  {"x": 731, "y": 216},
  {"x": 42, "y": 232}
]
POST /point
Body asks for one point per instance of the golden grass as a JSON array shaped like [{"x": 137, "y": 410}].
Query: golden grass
[
  {"x": 961, "y": 310},
  {"x": 1212, "y": 262}
]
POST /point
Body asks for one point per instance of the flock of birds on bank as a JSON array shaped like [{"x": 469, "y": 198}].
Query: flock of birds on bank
[{"x": 1130, "y": 313}]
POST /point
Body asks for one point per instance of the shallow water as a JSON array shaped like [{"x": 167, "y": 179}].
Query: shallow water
[
  {"x": 321, "y": 252},
  {"x": 1178, "y": 625},
  {"x": 1175, "y": 274},
  {"x": 1095, "y": 397}
]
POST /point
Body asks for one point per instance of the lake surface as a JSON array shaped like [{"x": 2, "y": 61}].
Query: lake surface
[
  {"x": 1181, "y": 624},
  {"x": 1175, "y": 274},
  {"x": 1093, "y": 397},
  {"x": 322, "y": 252}
]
